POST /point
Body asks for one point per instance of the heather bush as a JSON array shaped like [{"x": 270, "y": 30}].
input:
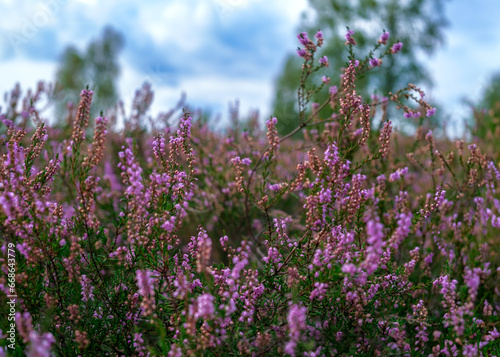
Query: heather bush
[{"x": 181, "y": 240}]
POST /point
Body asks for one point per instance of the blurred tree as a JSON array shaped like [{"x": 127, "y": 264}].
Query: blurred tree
[
  {"x": 418, "y": 24},
  {"x": 97, "y": 67},
  {"x": 485, "y": 123}
]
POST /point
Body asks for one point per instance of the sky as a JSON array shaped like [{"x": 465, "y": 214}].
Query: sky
[
  {"x": 464, "y": 66},
  {"x": 219, "y": 51}
]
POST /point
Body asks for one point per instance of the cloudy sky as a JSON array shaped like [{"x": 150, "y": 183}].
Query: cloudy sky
[{"x": 219, "y": 50}]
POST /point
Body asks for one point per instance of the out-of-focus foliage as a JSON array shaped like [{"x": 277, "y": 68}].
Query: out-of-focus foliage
[
  {"x": 96, "y": 67},
  {"x": 486, "y": 120}
]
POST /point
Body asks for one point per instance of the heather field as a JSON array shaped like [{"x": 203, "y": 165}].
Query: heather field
[{"x": 166, "y": 237}]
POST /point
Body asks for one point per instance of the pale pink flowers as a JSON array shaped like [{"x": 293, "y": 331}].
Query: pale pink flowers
[{"x": 296, "y": 323}]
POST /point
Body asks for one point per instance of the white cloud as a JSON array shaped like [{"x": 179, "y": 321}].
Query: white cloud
[
  {"x": 202, "y": 91},
  {"x": 186, "y": 25},
  {"x": 178, "y": 23},
  {"x": 25, "y": 71}
]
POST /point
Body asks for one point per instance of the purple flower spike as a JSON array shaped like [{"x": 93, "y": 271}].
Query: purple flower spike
[
  {"x": 319, "y": 38},
  {"x": 396, "y": 47},
  {"x": 301, "y": 52},
  {"x": 384, "y": 37},
  {"x": 375, "y": 62},
  {"x": 349, "y": 39},
  {"x": 324, "y": 61},
  {"x": 431, "y": 112},
  {"x": 303, "y": 38}
]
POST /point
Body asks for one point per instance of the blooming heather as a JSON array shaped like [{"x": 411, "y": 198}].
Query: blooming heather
[
  {"x": 324, "y": 61},
  {"x": 349, "y": 39},
  {"x": 296, "y": 323},
  {"x": 319, "y": 38},
  {"x": 40, "y": 344},
  {"x": 204, "y": 307},
  {"x": 301, "y": 52},
  {"x": 339, "y": 237},
  {"x": 384, "y": 37},
  {"x": 384, "y": 138},
  {"x": 375, "y": 62},
  {"x": 97, "y": 149},
  {"x": 87, "y": 289},
  {"x": 146, "y": 282},
  {"x": 396, "y": 47},
  {"x": 375, "y": 242},
  {"x": 82, "y": 116},
  {"x": 303, "y": 39}
]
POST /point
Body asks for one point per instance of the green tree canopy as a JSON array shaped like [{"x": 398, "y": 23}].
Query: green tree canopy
[
  {"x": 485, "y": 123},
  {"x": 96, "y": 67}
]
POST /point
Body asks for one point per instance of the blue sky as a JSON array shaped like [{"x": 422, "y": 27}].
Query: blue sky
[{"x": 219, "y": 50}]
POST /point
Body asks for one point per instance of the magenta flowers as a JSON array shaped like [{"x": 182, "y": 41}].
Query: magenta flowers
[
  {"x": 349, "y": 39},
  {"x": 375, "y": 62},
  {"x": 383, "y": 38},
  {"x": 396, "y": 47}
]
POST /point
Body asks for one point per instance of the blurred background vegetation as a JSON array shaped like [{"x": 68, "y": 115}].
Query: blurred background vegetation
[
  {"x": 96, "y": 67},
  {"x": 419, "y": 24}
]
